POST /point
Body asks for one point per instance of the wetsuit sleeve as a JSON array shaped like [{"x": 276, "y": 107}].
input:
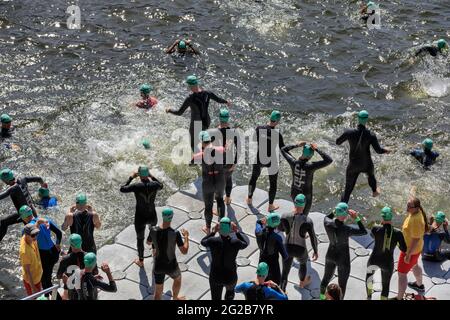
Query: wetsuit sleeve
[
  {"x": 376, "y": 145},
  {"x": 206, "y": 241},
  {"x": 401, "y": 242},
  {"x": 312, "y": 236},
  {"x": 281, "y": 142},
  {"x": 282, "y": 248},
  {"x": 56, "y": 231},
  {"x": 342, "y": 138},
  {"x": 289, "y": 157},
  {"x": 445, "y": 236},
  {"x": 182, "y": 109},
  {"x": 5, "y": 194},
  {"x": 108, "y": 287},
  {"x": 127, "y": 187},
  {"x": 156, "y": 183},
  {"x": 323, "y": 163},
  {"x": 284, "y": 226},
  {"x": 179, "y": 239},
  {"x": 360, "y": 231},
  {"x": 61, "y": 269},
  {"x": 242, "y": 243},
  {"x": 216, "y": 98},
  {"x": 243, "y": 287},
  {"x": 34, "y": 179},
  {"x": 272, "y": 294}
]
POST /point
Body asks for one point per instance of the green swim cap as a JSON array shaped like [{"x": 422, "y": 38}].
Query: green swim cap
[
  {"x": 44, "y": 192},
  {"x": 386, "y": 214},
  {"x": 308, "y": 151},
  {"x": 146, "y": 88},
  {"x": 167, "y": 214},
  {"x": 146, "y": 143},
  {"x": 25, "y": 212},
  {"x": 6, "y": 175},
  {"x": 90, "y": 260},
  {"x": 225, "y": 226},
  {"x": 192, "y": 80},
  {"x": 224, "y": 115},
  {"x": 273, "y": 220},
  {"x": 370, "y": 4},
  {"x": 427, "y": 144},
  {"x": 75, "y": 241},
  {"x": 440, "y": 217},
  {"x": 262, "y": 270},
  {"x": 300, "y": 200},
  {"x": 363, "y": 117},
  {"x": 182, "y": 44},
  {"x": 43, "y": 297},
  {"x": 341, "y": 209},
  {"x": 5, "y": 118},
  {"x": 81, "y": 199},
  {"x": 143, "y": 171},
  {"x": 442, "y": 44},
  {"x": 204, "y": 136},
  {"x": 275, "y": 116}
]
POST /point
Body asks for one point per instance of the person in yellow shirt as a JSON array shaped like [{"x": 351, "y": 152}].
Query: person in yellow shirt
[
  {"x": 414, "y": 228},
  {"x": 30, "y": 260}
]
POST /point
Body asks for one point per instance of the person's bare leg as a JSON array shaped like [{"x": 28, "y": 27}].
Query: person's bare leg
[
  {"x": 158, "y": 291},
  {"x": 139, "y": 262},
  {"x": 227, "y": 200},
  {"x": 402, "y": 284},
  {"x": 417, "y": 271},
  {"x": 376, "y": 193},
  {"x": 249, "y": 201},
  {"x": 176, "y": 289}
]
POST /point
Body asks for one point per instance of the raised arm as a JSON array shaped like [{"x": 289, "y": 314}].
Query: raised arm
[
  {"x": 56, "y": 231},
  {"x": 126, "y": 188},
  {"x": 216, "y": 98},
  {"x": 285, "y": 152},
  {"x": 96, "y": 220},
  {"x": 34, "y": 179},
  {"x": 5, "y": 194},
  {"x": 326, "y": 160},
  {"x": 171, "y": 49}
]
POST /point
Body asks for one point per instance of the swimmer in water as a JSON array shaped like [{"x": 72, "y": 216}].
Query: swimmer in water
[
  {"x": 182, "y": 47},
  {"x": 439, "y": 47},
  {"x": 425, "y": 156},
  {"x": 148, "y": 102}
]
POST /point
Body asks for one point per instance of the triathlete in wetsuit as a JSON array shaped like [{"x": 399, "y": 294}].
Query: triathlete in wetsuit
[
  {"x": 360, "y": 140},
  {"x": 182, "y": 47},
  {"x": 386, "y": 240},
  {"x": 164, "y": 241},
  {"x": 338, "y": 253},
  {"x": 145, "y": 192},
  {"x": 367, "y": 11},
  {"x": 426, "y": 157},
  {"x": 296, "y": 225},
  {"x": 438, "y": 232},
  {"x": 268, "y": 139},
  {"x": 75, "y": 258},
  {"x": 226, "y": 137},
  {"x": 441, "y": 47},
  {"x": 303, "y": 170},
  {"x": 20, "y": 196},
  {"x": 213, "y": 184},
  {"x": 7, "y": 128},
  {"x": 147, "y": 102},
  {"x": 83, "y": 219},
  {"x": 89, "y": 283},
  {"x": 270, "y": 245},
  {"x": 46, "y": 201},
  {"x": 198, "y": 101},
  {"x": 260, "y": 289},
  {"x": 224, "y": 250}
]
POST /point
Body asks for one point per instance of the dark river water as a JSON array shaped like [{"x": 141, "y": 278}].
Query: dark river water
[{"x": 69, "y": 92}]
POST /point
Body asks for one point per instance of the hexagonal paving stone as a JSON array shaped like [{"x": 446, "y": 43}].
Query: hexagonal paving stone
[
  {"x": 240, "y": 193},
  {"x": 126, "y": 290},
  {"x": 441, "y": 292},
  {"x": 248, "y": 225},
  {"x": 201, "y": 264},
  {"x": 195, "y": 229},
  {"x": 317, "y": 219},
  {"x": 193, "y": 250},
  {"x": 285, "y": 206},
  {"x": 127, "y": 237},
  {"x": 118, "y": 257},
  {"x": 193, "y": 286},
  {"x": 195, "y": 189},
  {"x": 179, "y": 217},
  {"x": 360, "y": 241},
  {"x": 236, "y": 213},
  {"x": 144, "y": 275},
  {"x": 296, "y": 293},
  {"x": 185, "y": 202},
  {"x": 313, "y": 269},
  {"x": 359, "y": 267},
  {"x": 356, "y": 289},
  {"x": 435, "y": 269}
]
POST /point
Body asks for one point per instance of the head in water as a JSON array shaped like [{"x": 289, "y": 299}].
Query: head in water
[
  {"x": 75, "y": 241},
  {"x": 90, "y": 261},
  {"x": 363, "y": 117},
  {"x": 341, "y": 211},
  {"x": 442, "y": 44},
  {"x": 308, "y": 152},
  {"x": 225, "y": 226},
  {"x": 143, "y": 172},
  {"x": 262, "y": 271},
  {"x": 439, "y": 218},
  {"x": 7, "y": 176},
  {"x": 273, "y": 220},
  {"x": 300, "y": 202},
  {"x": 275, "y": 117},
  {"x": 145, "y": 90},
  {"x": 167, "y": 215},
  {"x": 386, "y": 215},
  {"x": 26, "y": 213},
  {"x": 427, "y": 144},
  {"x": 6, "y": 121},
  {"x": 192, "y": 82},
  {"x": 44, "y": 192},
  {"x": 146, "y": 143},
  {"x": 224, "y": 116},
  {"x": 182, "y": 46},
  {"x": 81, "y": 200},
  {"x": 204, "y": 138}
]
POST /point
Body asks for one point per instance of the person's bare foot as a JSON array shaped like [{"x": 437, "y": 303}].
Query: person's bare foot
[
  {"x": 305, "y": 282},
  {"x": 206, "y": 230},
  {"x": 215, "y": 212},
  {"x": 272, "y": 207},
  {"x": 376, "y": 193},
  {"x": 139, "y": 263},
  {"x": 249, "y": 201},
  {"x": 227, "y": 201},
  {"x": 180, "y": 298}
]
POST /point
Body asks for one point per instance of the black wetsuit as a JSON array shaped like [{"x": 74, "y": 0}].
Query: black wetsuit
[
  {"x": 268, "y": 139},
  {"x": 213, "y": 181},
  {"x": 20, "y": 196},
  {"x": 231, "y": 156},
  {"x": 431, "y": 50},
  {"x": 145, "y": 193},
  {"x": 71, "y": 259},
  {"x": 425, "y": 157},
  {"x": 271, "y": 247},
  {"x": 360, "y": 140},
  {"x": 199, "y": 104},
  {"x": 165, "y": 241},
  {"x": 303, "y": 174},
  {"x": 338, "y": 253},
  {"x": 432, "y": 249},
  {"x": 223, "y": 271},
  {"x": 83, "y": 224},
  {"x": 386, "y": 240},
  {"x": 89, "y": 285},
  {"x": 6, "y": 133},
  {"x": 296, "y": 226}
]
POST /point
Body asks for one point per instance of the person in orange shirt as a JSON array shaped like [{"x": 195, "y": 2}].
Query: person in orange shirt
[
  {"x": 30, "y": 259},
  {"x": 414, "y": 228}
]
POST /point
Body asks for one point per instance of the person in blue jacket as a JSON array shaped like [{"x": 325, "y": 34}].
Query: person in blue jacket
[
  {"x": 438, "y": 232},
  {"x": 425, "y": 156},
  {"x": 260, "y": 289}
]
